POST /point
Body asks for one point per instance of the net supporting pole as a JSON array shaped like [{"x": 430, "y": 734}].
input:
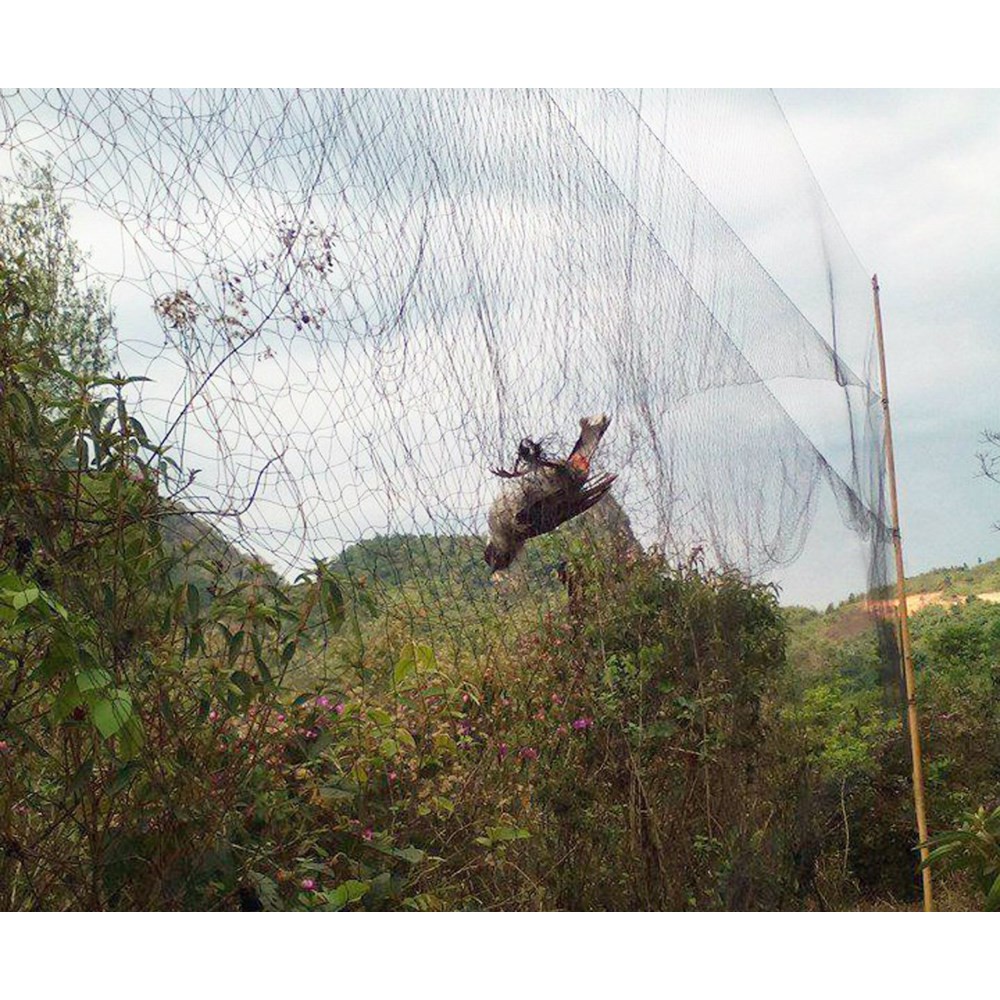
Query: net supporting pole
[{"x": 904, "y": 624}]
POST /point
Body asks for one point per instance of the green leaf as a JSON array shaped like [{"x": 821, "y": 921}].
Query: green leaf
[
  {"x": 406, "y": 665},
  {"x": 498, "y": 834},
  {"x": 993, "y": 897},
  {"x": 110, "y": 714},
  {"x": 265, "y": 672},
  {"x": 380, "y": 717},
  {"x": 333, "y": 601},
  {"x": 66, "y": 701},
  {"x": 55, "y": 606},
  {"x": 346, "y": 892},
  {"x": 411, "y": 854},
  {"x": 130, "y": 738},
  {"x": 243, "y": 681},
  {"x": 235, "y": 646},
  {"x": 414, "y": 658},
  {"x": 193, "y": 601},
  {"x": 93, "y": 679},
  {"x": 23, "y": 598},
  {"x": 332, "y": 793},
  {"x": 61, "y": 655},
  {"x": 443, "y": 804}
]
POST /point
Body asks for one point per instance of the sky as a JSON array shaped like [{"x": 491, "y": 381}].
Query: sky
[
  {"x": 911, "y": 177},
  {"x": 906, "y": 175}
]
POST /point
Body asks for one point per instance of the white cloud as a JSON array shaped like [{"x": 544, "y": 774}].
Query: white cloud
[{"x": 564, "y": 266}]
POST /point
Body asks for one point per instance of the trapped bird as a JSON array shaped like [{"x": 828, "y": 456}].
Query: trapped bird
[{"x": 544, "y": 493}]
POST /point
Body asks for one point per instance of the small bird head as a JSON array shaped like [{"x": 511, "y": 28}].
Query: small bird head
[
  {"x": 529, "y": 450},
  {"x": 497, "y": 558}
]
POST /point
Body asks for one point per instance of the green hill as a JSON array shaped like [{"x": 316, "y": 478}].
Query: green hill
[
  {"x": 957, "y": 580},
  {"x": 397, "y": 560}
]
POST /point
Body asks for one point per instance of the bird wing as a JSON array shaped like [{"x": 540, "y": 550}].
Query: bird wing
[{"x": 548, "y": 512}]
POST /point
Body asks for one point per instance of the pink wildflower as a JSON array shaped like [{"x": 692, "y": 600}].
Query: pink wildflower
[
  {"x": 529, "y": 753},
  {"x": 391, "y": 776},
  {"x": 213, "y": 715},
  {"x": 281, "y": 718},
  {"x": 322, "y": 701},
  {"x": 339, "y": 708},
  {"x": 308, "y": 884},
  {"x": 583, "y": 723},
  {"x": 367, "y": 833},
  {"x": 502, "y": 751}
]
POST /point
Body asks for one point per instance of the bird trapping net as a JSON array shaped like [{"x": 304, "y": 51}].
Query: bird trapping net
[{"x": 351, "y": 305}]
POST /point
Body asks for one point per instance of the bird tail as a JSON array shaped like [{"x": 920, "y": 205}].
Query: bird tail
[
  {"x": 591, "y": 431},
  {"x": 593, "y": 492}
]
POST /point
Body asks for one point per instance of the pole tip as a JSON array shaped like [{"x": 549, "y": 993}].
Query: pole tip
[{"x": 875, "y": 282}]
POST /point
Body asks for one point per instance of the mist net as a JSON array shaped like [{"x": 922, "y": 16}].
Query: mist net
[{"x": 351, "y": 304}]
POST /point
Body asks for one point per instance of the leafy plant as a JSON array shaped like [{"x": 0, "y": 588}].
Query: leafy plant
[{"x": 973, "y": 848}]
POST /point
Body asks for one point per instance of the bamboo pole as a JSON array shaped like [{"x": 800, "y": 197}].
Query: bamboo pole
[{"x": 904, "y": 624}]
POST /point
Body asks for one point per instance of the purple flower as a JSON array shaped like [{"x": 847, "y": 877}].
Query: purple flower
[
  {"x": 339, "y": 708},
  {"x": 368, "y": 833},
  {"x": 583, "y": 723},
  {"x": 529, "y": 753},
  {"x": 322, "y": 701},
  {"x": 308, "y": 884},
  {"x": 502, "y": 751}
]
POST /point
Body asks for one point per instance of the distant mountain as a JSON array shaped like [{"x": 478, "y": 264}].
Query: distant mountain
[
  {"x": 960, "y": 581},
  {"x": 397, "y": 560},
  {"x": 448, "y": 564},
  {"x": 206, "y": 556},
  {"x": 819, "y": 639}
]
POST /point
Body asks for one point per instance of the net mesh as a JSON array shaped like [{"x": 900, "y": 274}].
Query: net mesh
[{"x": 351, "y": 304}]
